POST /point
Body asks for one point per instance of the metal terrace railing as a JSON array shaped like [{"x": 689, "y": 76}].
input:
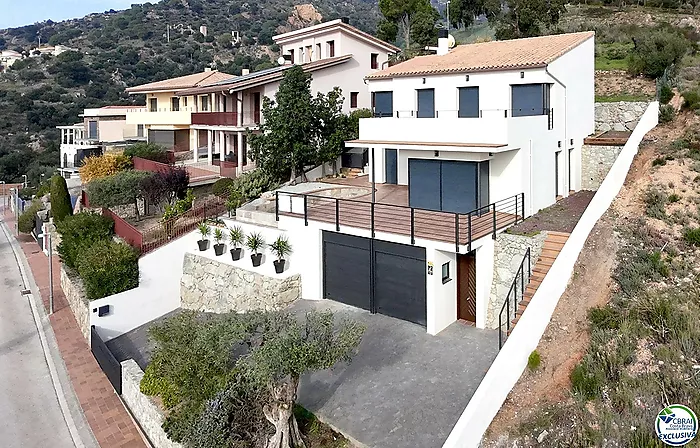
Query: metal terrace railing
[
  {"x": 461, "y": 229},
  {"x": 514, "y": 297}
]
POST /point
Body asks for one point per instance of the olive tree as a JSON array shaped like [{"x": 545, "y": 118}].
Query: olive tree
[{"x": 125, "y": 187}]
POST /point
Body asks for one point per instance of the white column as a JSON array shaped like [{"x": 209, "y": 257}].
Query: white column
[
  {"x": 195, "y": 147},
  {"x": 239, "y": 168},
  {"x": 239, "y": 109},
  {"x": 210, "y": 147},
  {"x": 222, "y": 142}
]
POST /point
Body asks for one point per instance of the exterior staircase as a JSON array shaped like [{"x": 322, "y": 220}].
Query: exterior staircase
[{"x": 552, "y": 246}]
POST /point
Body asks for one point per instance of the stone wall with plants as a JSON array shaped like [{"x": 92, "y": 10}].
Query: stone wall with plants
[
  {"x": 74, "y": 291},
  {"x": 218, "y": 287},
  {"x": 144, "y": 409},
  {"x": 509, "y": 251},
  {"x": 596, "y": 161},
  {"x": 618, "y": 116}
]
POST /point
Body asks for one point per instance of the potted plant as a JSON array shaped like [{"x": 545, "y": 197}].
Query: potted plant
[
  {"x": 219, "y": 246},
  {"x": 255, "y": 243},
  {"x": 281, "y": 248},
  {"x": 205, "y": 231},
  {"x": 237, "y": 237}
]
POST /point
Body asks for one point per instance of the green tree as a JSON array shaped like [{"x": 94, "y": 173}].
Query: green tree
[
  {"x": 403, "y": 16},
  {"x": 524, "y": 18},
  {"x": 60, "y": 199},
  {"x": 656, "y": 51},
  {"x": 463, "y": 12},
  {"x": 79, "y": 232},
  {"x": 125, "y": 187},
  {"x": 285, "y": 141},
  {"x": 333, "y": 126}
]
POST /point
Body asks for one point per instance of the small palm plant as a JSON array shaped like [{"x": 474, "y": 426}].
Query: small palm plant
[
  {"x": 281, "y": 248},
  {"x": 219, "y": 237},
  {"x": 204, "y": 231},
  {"x": 237, "y": 237},
  {"x": 255, "y": 243}
]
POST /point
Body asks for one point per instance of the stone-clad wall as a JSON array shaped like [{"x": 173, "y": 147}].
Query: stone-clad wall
[
  {"x": 75, "y": 295},
  {"x": 217, "y": 287},
  {"x": 596, "y": 161},
  {"x": 509, "y": 251},
  {"x": 144, "y": 410},
  {"x": 619, "y": 116}
]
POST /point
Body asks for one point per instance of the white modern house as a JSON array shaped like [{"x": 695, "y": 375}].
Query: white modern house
[
  {"x": 335, "y": 53},
  {"x": 101, "y": 129},
  {"x": 463, "y": 144}
]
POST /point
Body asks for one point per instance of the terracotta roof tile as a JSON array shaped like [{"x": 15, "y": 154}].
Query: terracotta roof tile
[
  {"x": 486, "y": 56},
  {"x": 182, "y": 82}
]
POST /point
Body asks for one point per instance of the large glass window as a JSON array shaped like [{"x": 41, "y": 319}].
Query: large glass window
[
  {"x": 153, "y": 105},
  {"x": 468, "y": 102},
  {"x": 92, "y": 130},
  {"x": 530, "y": 99},
  {"x": 205, "y": 103},
  {"x": 175, "y": 104},
  {"x": 383, "y": 103},
  {"x": 426, "y": 103}
]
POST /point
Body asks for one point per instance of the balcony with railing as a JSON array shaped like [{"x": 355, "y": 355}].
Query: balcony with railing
[
  {"x": 160, "y": 116},
  {"x": 460, "y": 229},
  {"x": 215, "y": 118}
]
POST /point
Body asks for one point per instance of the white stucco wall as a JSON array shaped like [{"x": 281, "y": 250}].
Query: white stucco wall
[{"x": 441, "y": 297}]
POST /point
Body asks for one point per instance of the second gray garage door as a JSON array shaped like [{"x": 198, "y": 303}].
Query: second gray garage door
[{"x": 378, "y": 276}]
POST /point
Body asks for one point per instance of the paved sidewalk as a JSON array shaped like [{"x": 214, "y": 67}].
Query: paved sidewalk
[{"x": 109, "y": 420}]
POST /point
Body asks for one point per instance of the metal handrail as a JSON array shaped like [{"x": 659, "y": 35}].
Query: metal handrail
[
  {"x": 466, "y": 226},
  {"x": 512, "y": 297}
]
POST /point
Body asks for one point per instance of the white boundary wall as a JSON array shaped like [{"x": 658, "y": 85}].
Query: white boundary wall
[{"x": 512, "y": 359}]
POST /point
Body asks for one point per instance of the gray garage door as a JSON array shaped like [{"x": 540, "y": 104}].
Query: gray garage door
[{"x": 377, "y": 276}]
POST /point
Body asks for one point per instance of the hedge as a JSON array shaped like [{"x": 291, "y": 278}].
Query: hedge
[
  {"x": 27, "y": 220},
  {"x": 60, "y": 199},
  {"x": 149, "y": 151},
  {"x": 108, "y": 267},
  {"x": 80, "y": 231}
]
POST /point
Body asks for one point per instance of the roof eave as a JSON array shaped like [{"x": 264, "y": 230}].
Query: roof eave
[{"x": 455, "y": 71}]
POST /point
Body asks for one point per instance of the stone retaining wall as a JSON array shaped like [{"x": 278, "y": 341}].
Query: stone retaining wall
[
  {"x": 148, "y": 414},
  {"x": 619, "y": 116},
  {"x": 596, "y": 161},
  {"x": 509, "y": 251},
  {"x": 74, "y": 291},
  {"x": 217, "y": 287}
]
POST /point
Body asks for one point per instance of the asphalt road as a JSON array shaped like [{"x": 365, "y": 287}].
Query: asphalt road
[{"x": 30, "y": 415}]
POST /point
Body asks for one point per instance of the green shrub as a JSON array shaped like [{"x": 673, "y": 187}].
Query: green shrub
[
  {"x": 659, "y": 161},
  {"x": 108, "y": 267},
  {"x": 221, "y": 186},
  {"x": 692, "y": 236},
  {"x": 60, "y": 199},
  {"x": 148, "y": 151},
  {"x": 666, "y": 113},
  {"x": 80, "y": 231},
  {"x": 691, "y": 100},
  {"x": 251, "y": 185},
  {"x": 673, "y": 197},
  {"x": 604, "y": 318},
  {"x": 657, "y": 50},
  {"x": 27, "y": 220},
  {"x": 585, "y": 384},
  {"x": 665, "y": 93},
  {"x": 533, "y": 361},
  {"x": 654, "y": 201},
  {"x": 180, "y": 207}
]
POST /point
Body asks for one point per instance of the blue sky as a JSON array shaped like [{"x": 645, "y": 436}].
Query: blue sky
[{"x": 14, "y": 13}]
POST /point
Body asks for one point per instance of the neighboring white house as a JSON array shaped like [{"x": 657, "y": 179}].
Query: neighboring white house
[
  {"x": 100, "y": 130},
  {"x": 463, "y": 144},
  {"x": 8, "y": 58},
  {"x": 335, "y": 53}
]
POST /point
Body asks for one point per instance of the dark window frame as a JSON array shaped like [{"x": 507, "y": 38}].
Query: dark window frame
[
  {"x": 374, "y": 104},
  {"x": 175, "y": 104},
  {"x": 93, "y": 135},
  {"x": 418, "y": 103},
  {"x": 536, "y": 111},
  {"x": 331, "y": 48},
  {"x": 353, "y": 100},
  {"x": 445, "y": 272},
  {"x": 291, "y": 53},
  {"x": 204, "y": 101},
  {"x": 374, "y": 61},
  {"x": 465, "y": 114},
  {"x": 153, "y": 104}
]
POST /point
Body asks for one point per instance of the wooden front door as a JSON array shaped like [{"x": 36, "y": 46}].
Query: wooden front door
[{"x": 466, "y": 287}]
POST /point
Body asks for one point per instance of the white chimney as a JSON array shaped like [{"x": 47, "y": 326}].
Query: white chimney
[
  {"x": 245, "y": 71},
  {"x": 443, "y": 43},
  {"x": 207, "y": 69}
]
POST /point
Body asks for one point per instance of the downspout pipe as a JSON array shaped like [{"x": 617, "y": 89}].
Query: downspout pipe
[{"x": 567, "y": 187}]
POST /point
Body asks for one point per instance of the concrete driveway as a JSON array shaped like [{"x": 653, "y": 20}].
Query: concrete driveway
[{"x": 405, "y": 388}]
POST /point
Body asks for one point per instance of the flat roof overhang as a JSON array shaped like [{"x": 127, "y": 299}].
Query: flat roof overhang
[{"x": 432, "y": 146}]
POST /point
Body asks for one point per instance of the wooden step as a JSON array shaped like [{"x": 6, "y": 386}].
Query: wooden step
[
  {"x": 553, "y": 233},
  {"x": 553, "y": 245}
]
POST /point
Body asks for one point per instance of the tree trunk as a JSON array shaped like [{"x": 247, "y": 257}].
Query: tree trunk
[
  {"x": 279, "y": 412},
  {"x": 406, "y": 24},
  {"x": 136, "y": 207}
]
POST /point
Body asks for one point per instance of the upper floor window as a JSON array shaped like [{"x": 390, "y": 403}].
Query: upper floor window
[
  {"x": 175, "y": 104},
  {"x": 92, "y": 130},
  {"x": 331, "y": 48},
  {"x": 184, "y": 101},
  {"x": 426, "y": 103},
  {"x": 205, "y": 103},
  {"x": 309, "y": 53},
  {"x": 318, "y": 51},
  {"x": 530, "y": 99},
  {"x": 353, "y": 100},
  {"x": 302, "y": 56},
  {"x": 374, "y": 61},
  {"x": 291, "y": 53},
  {"x": 153, "y": 105},
  {"x": 383, "y": 104},
  {"x": 468, "y": 102},
  {"x": 139, "y": 130}
]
